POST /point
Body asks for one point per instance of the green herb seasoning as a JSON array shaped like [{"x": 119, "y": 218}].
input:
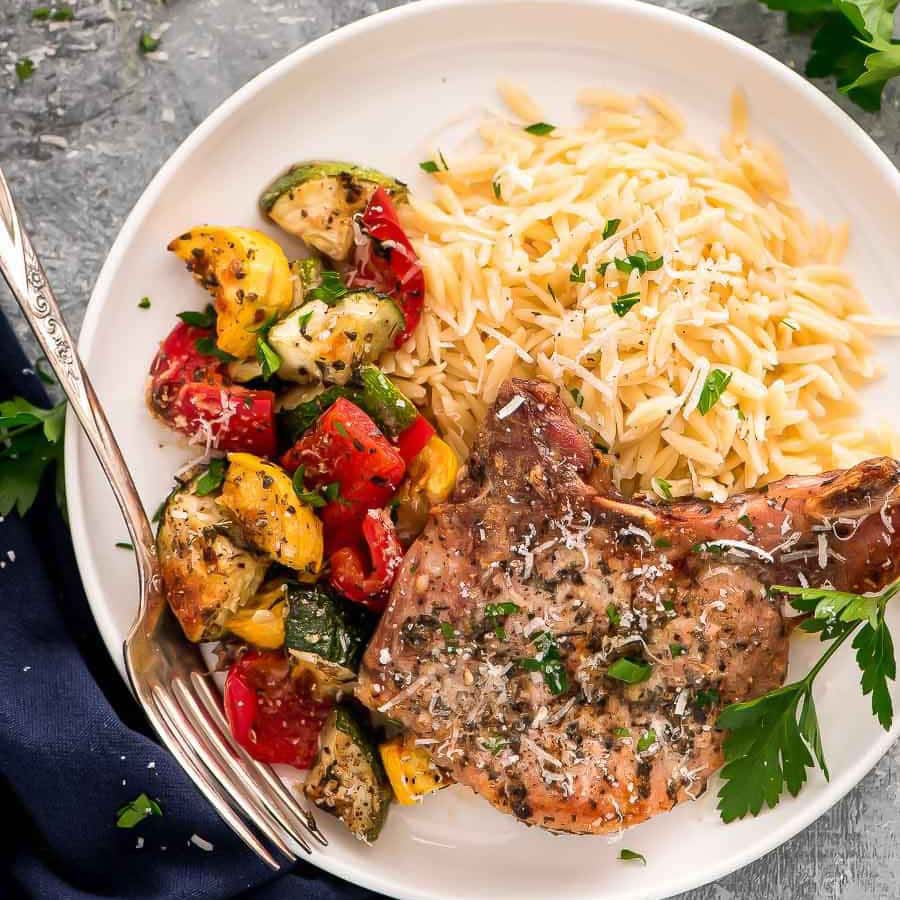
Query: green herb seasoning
[
  {"x": 578, "y": 274},
  {"x": 677, "y": 650},
  {"x": 329, "y": 290},
  {"x": 627, "y": 855},
  {"x": 147, "y": 43},
  {"x": 629, "y": 670},
  {"x": 663, "y": 487},
  {"x": 124, "y": 545},
  {"x": 621, "y": 305},
  {"x": 577, "y": 396},
  {"x": 496, "y": 187},
  {"x": 713, "y": 388},
  {"x": 268, "y": 359},
  {"x": 25, "y": 68},
  {"x": 207, "y": 346},
  {"x": 611, "y": 227},
  {"x": 136, "y": 811},
  {"x": 211, "y": 480},
  {"x": 548, "y": 662},
  {"x": 205, "y": 319},
  {"x": 144, "y": 303},
  {"x": 613, "y": 614},
  {"x": 541, "y": 129},
  {"x": 621, "y": 732},
  {"x": 646, "y": 741}
]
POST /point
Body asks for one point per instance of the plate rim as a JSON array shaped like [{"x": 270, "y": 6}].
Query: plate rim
[{"x": 75, "y": 442}]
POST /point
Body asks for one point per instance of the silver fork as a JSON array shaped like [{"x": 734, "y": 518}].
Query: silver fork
[{"x": 167, "y": 673}]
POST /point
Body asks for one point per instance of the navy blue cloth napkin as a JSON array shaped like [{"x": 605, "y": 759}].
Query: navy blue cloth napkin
[{"x": 74, "y": 746}]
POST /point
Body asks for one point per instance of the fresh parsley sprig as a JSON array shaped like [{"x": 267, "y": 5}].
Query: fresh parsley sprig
[
  {"x": 775, "y": 738},
  {"x": 853, "y": 42},
  {"x": 31, "y": 440}
]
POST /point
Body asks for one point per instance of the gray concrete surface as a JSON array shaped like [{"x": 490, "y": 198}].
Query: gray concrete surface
[{"x": 82, "y": 137}]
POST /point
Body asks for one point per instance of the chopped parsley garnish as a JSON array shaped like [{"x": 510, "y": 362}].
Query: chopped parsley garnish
[
  {"x": 41, "y": 13},
  {"x": 124, "y": 545},
  {"x": 747, "y": 522},
  {"x": 713, "y": 388},
  {"x": 550, "y": 290},
  {"x": 495, "y": 744},
  {"x": 341, "y": 429},
  {"x": 712, "y": 547},
  {"x": 24, "y": 68},
  {"x": 207, "y": 346},
  {"x": 663, "y": 488},
  {"x": 494, "y": 612},
  {"x": 611, "y": 227},
  {"x": 601, "y": 269},
  {"x": 621, "y": 732},
  {"x": 449, "y": 633},
  {"x": 662, "y": 543},
  {"x": 627, "y": 855},
  {"x": 630, "y": 671},
  {"x": 775, "y": 738},
  {"x": 790, "y": 323},
  {"x": 211, "y": 480},
  {"x": 707, "y": 698},
  {"x": 540, "y": 128},
  {"x": 577, "y": 396},
  {"x": 31, "y": 439},
  {"x": 268, "y": 359},
  {"x": 548, "y": 662},
  {"x": 205, "y": 319},
  {"x": 578, "y": 274},
  {"x": 496, "y": 187},
  {"x": 60, "y": 14},
  {"x": 147, "y": 43},
  {"x": 625, "y": 302},
  {"x": 640, "y": 261},
  {"x": 309, "y": 497},
  {"x": 677, "y": 650},
  {"x": 429, "y": 166},
  {"x": 646, "y": 741},
  {"x": 613, "y": 614},
  {"x": 144, "y": 303},
  {"x": 136, "y": 811},
  {"x": 329, "y": 290}
]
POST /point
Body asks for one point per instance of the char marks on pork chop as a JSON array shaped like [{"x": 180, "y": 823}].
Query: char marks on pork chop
[{"x": 537, "y": 559}]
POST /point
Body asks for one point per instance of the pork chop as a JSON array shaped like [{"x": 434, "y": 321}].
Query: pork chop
[{"x": 565, "y": 652}]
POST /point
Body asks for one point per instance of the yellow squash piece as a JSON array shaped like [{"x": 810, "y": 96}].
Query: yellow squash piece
[
  {"x": 246, "y": 272},
  {"x": 261, "y": 622},
  {"x": 410, "y": 770},
  {"x": 262, "y": 499},
  {"x": 429, "y": 481}
]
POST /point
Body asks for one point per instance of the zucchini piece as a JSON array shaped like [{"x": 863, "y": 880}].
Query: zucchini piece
[
  {"x": 324, "y": 343},
  {"x": 295, "y": 422},
  {"x": 316, "y": 201},
  {"x": 347, "y": 778},
  {"x": 388, "y": 406},
  {"x": 206, "y": 569},
  {"x": 307, "y": 275},
  {"x": 326, "y": 637}
]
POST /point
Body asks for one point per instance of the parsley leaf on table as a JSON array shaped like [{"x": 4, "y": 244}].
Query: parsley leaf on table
[
  {"x": 853, "y": 42},
  {"x": 775, "y": 738},
  {"x": 30, "y": 441}
]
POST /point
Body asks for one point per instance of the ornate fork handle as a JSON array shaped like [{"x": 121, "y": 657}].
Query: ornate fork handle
[{"x": 26, "y": 279}]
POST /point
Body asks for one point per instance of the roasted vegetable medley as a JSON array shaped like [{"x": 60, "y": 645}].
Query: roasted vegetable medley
[{"x": 282, "y": 542}]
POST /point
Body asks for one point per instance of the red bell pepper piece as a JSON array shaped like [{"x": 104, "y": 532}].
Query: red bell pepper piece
[
  {"x": 412, "y": 441},
  {"x": 390, "y": 264},
  {"x": 190, "y": 391},
  {"x": 346, "y": 447},
  {"x": 348, "y": 569},
  {"x": 269, "y": 714}
]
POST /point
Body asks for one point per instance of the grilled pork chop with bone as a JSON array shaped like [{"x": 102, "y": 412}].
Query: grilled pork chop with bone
[{"x": 564, "y": 652}]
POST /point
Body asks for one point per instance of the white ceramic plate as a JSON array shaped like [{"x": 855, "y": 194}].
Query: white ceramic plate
[{"x": 375, "y": 91}]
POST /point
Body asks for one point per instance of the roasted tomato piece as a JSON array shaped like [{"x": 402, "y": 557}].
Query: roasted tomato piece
[
  {"x": 232, "y": 418},
  {"x": 179, "y": 362},
  {"x": 346, "y": 448},
  {"x": 269, "y": 713},
  {"x": 353, "y": 578},
  {"x": 390, "y": 264}
]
